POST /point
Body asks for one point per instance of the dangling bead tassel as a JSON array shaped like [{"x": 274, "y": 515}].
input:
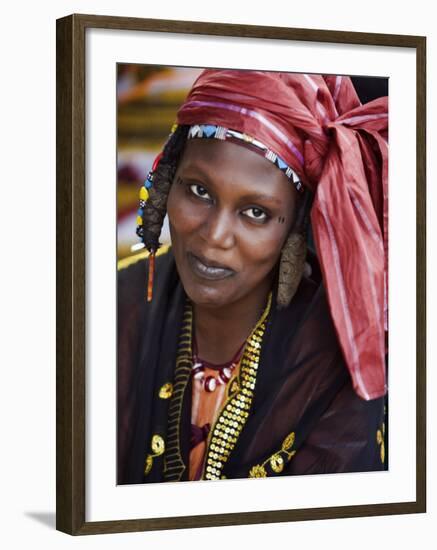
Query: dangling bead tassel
[{"x": 151, "y": 275}]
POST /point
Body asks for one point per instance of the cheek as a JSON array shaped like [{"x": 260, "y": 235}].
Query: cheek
[
  {"x": 263, "y": 248},
  {"x": 183, "y": 215}
]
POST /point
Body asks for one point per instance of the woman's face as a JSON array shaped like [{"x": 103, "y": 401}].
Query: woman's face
[{"x": 230, "y": 211}]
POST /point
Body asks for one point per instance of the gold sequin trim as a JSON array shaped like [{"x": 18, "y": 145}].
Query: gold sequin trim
[
  {"x": 166, "y": 391},
  {"x": 223, "y": 435},
  {"x": 278, "y": 460}
]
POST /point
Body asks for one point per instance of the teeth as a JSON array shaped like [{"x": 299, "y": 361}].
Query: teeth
[{"x": 210, "y": 267}]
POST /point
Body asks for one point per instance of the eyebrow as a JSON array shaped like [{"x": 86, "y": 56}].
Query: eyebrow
[
  {"x": 186, "y": 171},
  {"x": 262, "y": 197}
]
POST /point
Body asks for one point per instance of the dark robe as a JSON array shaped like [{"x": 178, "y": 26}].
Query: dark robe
[{"x": 304, "y": 416}]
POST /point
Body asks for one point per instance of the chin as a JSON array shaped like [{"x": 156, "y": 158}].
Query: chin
[{"x": 206, "y": 295}]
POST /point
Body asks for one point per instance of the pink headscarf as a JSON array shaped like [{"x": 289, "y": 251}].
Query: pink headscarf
[{"x": 339, "y": 149}]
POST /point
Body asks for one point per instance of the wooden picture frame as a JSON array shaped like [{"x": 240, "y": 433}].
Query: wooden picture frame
[{"x": 71, "y": 273}]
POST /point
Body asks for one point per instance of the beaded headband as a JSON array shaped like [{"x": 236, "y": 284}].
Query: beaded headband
[{"x": 219, "y": 132}]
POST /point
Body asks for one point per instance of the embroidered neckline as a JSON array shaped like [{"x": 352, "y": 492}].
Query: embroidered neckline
[
  {"x": 233, "y": 415},
  {"x": 174, "y": 465}
]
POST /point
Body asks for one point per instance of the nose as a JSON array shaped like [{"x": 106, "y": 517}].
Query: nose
[{"x": 218, "y": 229}]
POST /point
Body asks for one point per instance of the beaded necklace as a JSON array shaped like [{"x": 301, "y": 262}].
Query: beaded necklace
[{"x": 224, "y": 370}]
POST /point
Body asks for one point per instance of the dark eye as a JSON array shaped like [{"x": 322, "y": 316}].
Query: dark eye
[
  {"x": 256, "y": 214},
  {"x": 199, "y": 191}
]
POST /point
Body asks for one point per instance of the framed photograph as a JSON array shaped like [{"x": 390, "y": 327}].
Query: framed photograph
[{"x": 240, "y": 274}]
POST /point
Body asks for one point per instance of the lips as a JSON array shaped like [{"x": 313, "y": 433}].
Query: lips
[{"x": 208, "y": 270}]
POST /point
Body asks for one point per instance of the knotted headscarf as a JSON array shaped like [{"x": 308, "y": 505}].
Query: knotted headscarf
[{"x": 339, "y": 149}]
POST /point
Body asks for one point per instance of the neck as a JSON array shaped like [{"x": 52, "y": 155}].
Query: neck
[{"x": 221, "y": 331}]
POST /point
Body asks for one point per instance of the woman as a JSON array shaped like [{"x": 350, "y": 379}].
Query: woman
[{"x": 249, "y": 356}]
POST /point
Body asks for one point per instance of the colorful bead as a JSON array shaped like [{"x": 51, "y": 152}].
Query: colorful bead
[
  {"x": 144, "y": 194},
  {"x": 210, "y": 384},
  {"x": 156, "y": 161},
  {"x": 281, "y": 164},
  {"x": 198, "y": 372},
  {"x": 139, "y": 220},
  {"x": 225, "y": 375},
  {"x": 209, "y": 130}
]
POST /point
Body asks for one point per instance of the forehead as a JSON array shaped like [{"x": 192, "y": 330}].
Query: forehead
[{"x": 221, "y": 163}]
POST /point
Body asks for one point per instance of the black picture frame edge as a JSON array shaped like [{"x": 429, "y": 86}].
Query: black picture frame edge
[
  {"x": 421, "y": 463},
  {"x": 70, "y": 274}
]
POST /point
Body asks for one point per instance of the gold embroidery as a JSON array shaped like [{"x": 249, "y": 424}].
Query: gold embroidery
[
  {"x": 166, "y": 391},
  {"x": 238, "y": 404},
  {"x": 379, "y": 437},
  {"x": 277, "y": 461},
  {"x": 233, "y": 388},
  {"x": 158, "y": 447},
  {"x": 288, "y": 441},
  {"x": 148, "y": 465},
  {"x": 258, "y": 471},
  {"x": 380, "y": 440},
  {"x": 174, "y": 465}
]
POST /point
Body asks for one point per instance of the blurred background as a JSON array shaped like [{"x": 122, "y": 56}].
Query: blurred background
[{"x": 148, "y": 97}]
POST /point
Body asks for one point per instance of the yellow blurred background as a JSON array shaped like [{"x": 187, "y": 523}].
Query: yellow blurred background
[{"x": 148, "y": 97}]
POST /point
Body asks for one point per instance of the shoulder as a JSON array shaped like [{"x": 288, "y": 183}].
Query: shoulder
[
  {"x": 132, "y": 272},
  {"x": 307, "y": 314},
  {"x": 302, "y": 335}
]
